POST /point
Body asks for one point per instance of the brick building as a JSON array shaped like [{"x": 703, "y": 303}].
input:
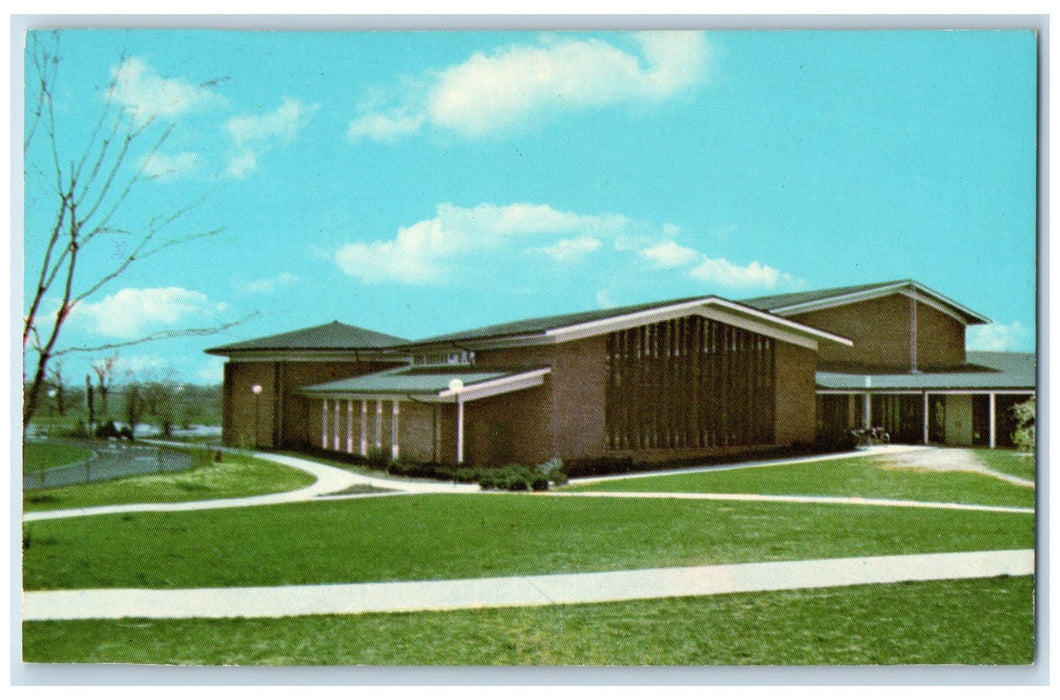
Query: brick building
[{"x": 669, "y": 380}]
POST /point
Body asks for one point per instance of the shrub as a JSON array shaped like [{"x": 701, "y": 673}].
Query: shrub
[
  {"x": 599, "y": 466},
  {"x": 516, "y": 482},
  {"x": 465, "y": 475},
  {"x": 378, "y": 458},
  {"x": 487, "y": 479},
  {"x": 1024, "y": 414},
  {"x": 539, "y": 482},
  {"x": 398, "y": 467}
]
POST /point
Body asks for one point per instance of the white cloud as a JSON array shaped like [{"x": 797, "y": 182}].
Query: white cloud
[
  {"x": 669, "y": 254},
  {"x": 755, "y": 274},
  {"x": 1000, "y": 337},
  {"x": 130, "y": 313},
  {"x": 432, "y": 251},
  {"x": 159, "y": 165},
  {"x": 145, "y": 94},
  {"x": 265, "y": 286},
  {"x": 603, "y": 299},
  {"x": 421, "y": 253},
  {"x": 384, "y": 127},
  {"x": 255, "y": 134},
  {"x": 571, "y": 249},
  {"x": 516, "y": 85}
]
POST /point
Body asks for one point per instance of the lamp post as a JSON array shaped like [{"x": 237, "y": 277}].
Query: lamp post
[{"x": 257, "y": 412}]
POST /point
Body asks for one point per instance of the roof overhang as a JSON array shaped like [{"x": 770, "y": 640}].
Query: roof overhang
[
  {"x": 909, "y": 288},
  {"x": 310, "y": 355},
  {"x": 472, "y": 391},
  {"x": 714, "y": 308}
]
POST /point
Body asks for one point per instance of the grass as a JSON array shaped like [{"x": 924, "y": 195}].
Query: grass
[
  {"x": 1009, "y": 462},
  {"x": 987, "y": 621},
  {"x": 447, "y": 536},
  {"x": 237, "y": 476},
  {"x": 45, "y": 455},
  {"x": 856, "y": 476}
]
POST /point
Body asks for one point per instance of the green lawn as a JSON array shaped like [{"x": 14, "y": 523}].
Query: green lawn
[
  {"x": 857, "y": 476},
  {"x": 1008, "y": 462},
  {"x": 945, "y": 622},
  {"x": 458, "y": 536},
  {"x": 237, "y": 476},
  {"x": 45, "y": 455}
]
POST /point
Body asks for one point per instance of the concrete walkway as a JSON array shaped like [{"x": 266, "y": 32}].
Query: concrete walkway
[
  {"x": 329, "y": 480},
  {"x": 829, "y": 500},
  {"x": 521, "y": 591},
  {"x": 871, "y": 451}
]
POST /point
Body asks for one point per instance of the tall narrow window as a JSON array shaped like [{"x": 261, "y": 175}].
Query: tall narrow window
[{"x": 689, "y": 383}]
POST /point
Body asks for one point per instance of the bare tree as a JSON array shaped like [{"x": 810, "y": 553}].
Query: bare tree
[
  {"x": 57, "y": 384},
  {"x": 87, "y": 190},
  {"x": 104, "y": 371}
]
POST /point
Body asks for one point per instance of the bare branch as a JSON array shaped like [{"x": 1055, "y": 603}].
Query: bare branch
[
  {"x": 90, "y": 193},
  {"x": 159, "y": 335}
]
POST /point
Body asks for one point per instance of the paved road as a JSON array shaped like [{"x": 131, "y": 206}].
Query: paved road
[
  {"x": 109, "y": 460},
  {"x": 519, "y": 591}
]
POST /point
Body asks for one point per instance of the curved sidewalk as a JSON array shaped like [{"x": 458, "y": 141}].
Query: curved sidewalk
[
  {"x": 828, "y": 500},
  {"x": 519, "y": 591},
  {"x": 329, "y": 480}
]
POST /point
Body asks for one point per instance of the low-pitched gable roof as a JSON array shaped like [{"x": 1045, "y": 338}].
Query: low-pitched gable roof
[
  {"x": 328, "y": 336},
  {"x": 801, "y": 302},
  {"x": 564, "y": 327}
]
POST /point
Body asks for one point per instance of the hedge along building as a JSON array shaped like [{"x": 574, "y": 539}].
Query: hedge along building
[
  {"x": 669, "y": 380},
  {"x": 908, "y": 369}
]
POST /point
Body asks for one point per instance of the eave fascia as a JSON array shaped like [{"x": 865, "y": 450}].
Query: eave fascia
[
  {"x": 315, "y": 356},
  {"x": 472, "y": 392},
  {"x": 713, "y": 308},
  {"x": 909, "y": 288},
  {"x": 476, "y": 344},
  {"x": 920, "y": 392},
  {"x": 495, "y": 387}
]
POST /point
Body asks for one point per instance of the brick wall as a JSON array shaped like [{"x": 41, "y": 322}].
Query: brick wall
[
  {"x": 795, "y": 394},
  {"x": 283, "y": 417},
  {"x": 880, "y": 329},
  {"x": 565, "y": 416}
]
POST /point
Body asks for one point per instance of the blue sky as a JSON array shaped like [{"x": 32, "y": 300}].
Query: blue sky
[{"x": 417, "y": 183}]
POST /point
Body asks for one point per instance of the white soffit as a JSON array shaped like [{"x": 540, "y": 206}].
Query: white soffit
[{"x": 709, "y": 307}]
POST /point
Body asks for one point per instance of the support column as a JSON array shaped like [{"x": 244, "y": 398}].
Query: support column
[
  {"x": 378, "y": 424},
  {"x": 993, "y": 420},
  {"x": 912, "y": 332},
  {"x": 364, "y": 428},
  {"x": 394, "y": 449},
  {"x": 868, "y": 411},
  {"x": 436, "y": 446},
  {"x": 459, "y": 430},
  {"x": 927, "y": 419},
  {"x": 349, "y": 426},
  {"x": 324, "y": 425},
  {"x": 338, "y": 417}
]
